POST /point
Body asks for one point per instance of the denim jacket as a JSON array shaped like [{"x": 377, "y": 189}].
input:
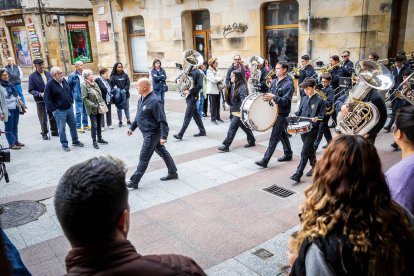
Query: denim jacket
[{"x": 74, "y": 84}]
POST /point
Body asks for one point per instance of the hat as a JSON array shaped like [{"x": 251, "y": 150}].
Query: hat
[{"x": 38, "y": 61}]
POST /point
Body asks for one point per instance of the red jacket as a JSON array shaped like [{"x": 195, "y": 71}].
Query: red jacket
[{"x": 121, "y": 258}]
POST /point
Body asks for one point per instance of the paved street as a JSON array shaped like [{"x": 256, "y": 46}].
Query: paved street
[{"x": 216, "y": 212}]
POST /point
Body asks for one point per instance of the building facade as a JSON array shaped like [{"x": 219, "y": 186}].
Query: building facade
[
  {"x": 60, "y": 32},
  {"x": 142, "y": 30}
]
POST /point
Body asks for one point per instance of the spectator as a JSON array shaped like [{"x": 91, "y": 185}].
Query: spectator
[
  {"x": 266, "y": 65},
  {"x": 158, "y": 79},
  {"x": 92, "y": 98},
  {"x": 9, "y": 112},
  {"x": 400, "y": 177},
  {"x": 350, "y": 225},
  {"x": 203, "y": 100},
  {"x": 236, "y": 65},
  {"x": 105, "y": 87},
  {"x": 119, "y": 79},
  {"x": 74, "y": 81},
  {"x": 37, "y": 83},
  {"x": 15, "y": 77},
  {"x": 59, "y": 99},
  {"x": 213, "y": 79},
  {"x": 91, "y": 203}
]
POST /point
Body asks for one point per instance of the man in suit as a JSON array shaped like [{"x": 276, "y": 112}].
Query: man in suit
[{"x": 37, "y": 83}]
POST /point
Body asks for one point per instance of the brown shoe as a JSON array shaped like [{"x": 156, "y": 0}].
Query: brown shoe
[{"x": 19, "y": 144}]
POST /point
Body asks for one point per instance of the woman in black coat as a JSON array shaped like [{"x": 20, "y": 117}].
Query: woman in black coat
[
  {"x": 158, "y": 79},
  {"x": 104, "y": 84},
  {"x": 121, "y": 80}
]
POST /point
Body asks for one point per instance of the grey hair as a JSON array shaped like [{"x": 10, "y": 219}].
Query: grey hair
[
  {"x": 54, "y": 70},
  {"x": 78, "y": 63},
  {"x": 86, "y": 73}
]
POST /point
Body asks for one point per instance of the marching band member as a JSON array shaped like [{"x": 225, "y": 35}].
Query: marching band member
[
  {"x": 307, "y": 71},
  {"x": 397, "y": 72},
  {"x": 323, "y": 127},
  {"x": 335, "y": 71},
  {"x": 348, "y": 66},
  {"x": 281, "y": 92},
  {"x": 262, "y": 87},
  {"x": 237, "y": 93},
  {"x": 312, "y": 107},
  {"x": 373, "y": 57}
]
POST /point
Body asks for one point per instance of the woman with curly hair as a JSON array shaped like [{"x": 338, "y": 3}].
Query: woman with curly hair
[{"x": 350, "y": 225}]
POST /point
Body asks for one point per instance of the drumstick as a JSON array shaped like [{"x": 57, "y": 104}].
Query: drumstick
[{"x": 305, "y": 118}]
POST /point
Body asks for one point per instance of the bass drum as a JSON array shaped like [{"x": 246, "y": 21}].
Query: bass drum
[{"x": 257, "y": 114}]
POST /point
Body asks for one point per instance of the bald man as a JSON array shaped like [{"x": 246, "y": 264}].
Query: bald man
[{"x": 151, "y": 121}]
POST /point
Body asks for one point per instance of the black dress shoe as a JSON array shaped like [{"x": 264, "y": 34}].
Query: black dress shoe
[
  {"x": 132, "y": 185},
  {"x": 176, "y": 136},
  {"x": 200, "y": 134},
  {"x": 285, "y": 158},
  {"x": 387, "y": 129},
  {"x": 95, "y": 145},
  {"x": 261, "y": 163},
  {"x": 309, "y": 173},
  {"x": 248, "y": 145},
  {"x": 295, "y": 177},
  {"x": 223, "y": 149},
  {"x": 169, "y": 177},
  {"x": 220, "y": 120},
  {"x": 55, "y": 133},
  {"x": 102, "y": 141},
  {"x": 214, "y": 122},
  {"x": 45, "y": 137}
]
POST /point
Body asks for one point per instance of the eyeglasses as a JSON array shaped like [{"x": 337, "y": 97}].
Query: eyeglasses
[
  {"x": 237, "y": 59},
  {"x": 344, "y": 56}
]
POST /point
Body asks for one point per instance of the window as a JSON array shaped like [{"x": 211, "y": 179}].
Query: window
[
  {"x": 79, "y": 42},
  {"x": 137, "y": 44},
  {"x": 281, "y": 32}
]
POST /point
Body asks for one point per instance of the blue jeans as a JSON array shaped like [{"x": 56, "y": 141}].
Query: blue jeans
[
  {"x": 80, "y": 112},
  {"x": 13, "y": 256},
  {"x": 200, "y": 105},
  {"x": 160, "y": 93},
  {"x": 20, "y": 92},
  {"x": 11, "y": 126},
  {"x": 62, "y": 118}
]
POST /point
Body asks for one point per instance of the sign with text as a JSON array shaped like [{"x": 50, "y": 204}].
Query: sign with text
[
  {"x": 79, "y": 41},
  {"x": 14, "y": 21}
]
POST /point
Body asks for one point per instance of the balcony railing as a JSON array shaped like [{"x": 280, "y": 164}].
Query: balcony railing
[{"x": 10, "y": 4}]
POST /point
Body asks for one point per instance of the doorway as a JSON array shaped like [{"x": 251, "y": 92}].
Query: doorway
[
  {"x": 197, "y": 32},
  {"x": 137, "y": 46}
]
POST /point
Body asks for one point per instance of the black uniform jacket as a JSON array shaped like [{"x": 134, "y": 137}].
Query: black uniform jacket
[
  {"x": 150, "y": 116},
  {"x": 312, "y": 107},
  {"x": 283, "y": 91}
]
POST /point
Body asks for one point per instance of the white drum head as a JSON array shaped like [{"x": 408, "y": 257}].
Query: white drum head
[{"x": 261, "y": 115}]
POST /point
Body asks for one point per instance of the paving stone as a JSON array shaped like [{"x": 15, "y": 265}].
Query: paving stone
[{"x": 230, "y": 267}]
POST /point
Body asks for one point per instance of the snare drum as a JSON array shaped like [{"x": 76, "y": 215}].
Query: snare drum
[
  {"x": 299, "y": 128},
  {"x": 257, "y": 114}
]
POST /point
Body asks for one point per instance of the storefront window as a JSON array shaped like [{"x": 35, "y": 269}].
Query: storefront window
[
  {"x": 79, "y": 42},
  {"x": 21, "y": 46},
  {"x": 137, "y": 44},
  {"x": 281, "y": 32}
]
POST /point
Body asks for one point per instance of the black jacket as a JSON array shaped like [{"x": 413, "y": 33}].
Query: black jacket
[
  {"x": 150, "y": 117},
  {"x": 235, "y": 103},
  {"x": 198, "y": 84},
  {"x": 103, "y": 88},
  {"x": 312, "y": 107},
  {"x": 330, "y": 96},
  {"x": 56, "y": 96},
  {"x": 37, "y": 86},
  {"x": 283, "y": 91},
  {"x": 374, "y": 98},
  {"x": 308, "y": 72},
  {"x": 158, "y": 79},
  {"x": 336, "y": 73},
  {"x": 262, "y": 82},
  {"x": 121, "y": 81},
  {"x": 347, "y": 69}
]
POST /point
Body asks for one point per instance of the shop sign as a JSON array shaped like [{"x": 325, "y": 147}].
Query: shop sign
[
  {"x": 79, "y": 41},
  {"x": 14, "y": 21},
  {"x": 240, "y": 28}
]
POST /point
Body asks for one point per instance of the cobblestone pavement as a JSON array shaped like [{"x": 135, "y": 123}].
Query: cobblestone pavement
[{"x": 216, "y": 212}]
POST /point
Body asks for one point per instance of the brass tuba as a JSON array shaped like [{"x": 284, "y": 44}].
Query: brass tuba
[
  {"x": 185, "y": 81},
  {"x": 362, "y": 116},
  {"x": 255, "y": 72},
  {"x": 406, "y": 89}
]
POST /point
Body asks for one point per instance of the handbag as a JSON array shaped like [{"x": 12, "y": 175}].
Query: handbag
[
  {"x": 221, "y": 85},
  {"x": 21, "y": 107},
  {"x": 103, "y": 108},
  {"x": 165, "y": 88}
]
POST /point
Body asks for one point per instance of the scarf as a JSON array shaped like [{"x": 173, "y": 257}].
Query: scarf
[
  {"x": 108, "y": 88},
  {"x": 9, "y": 88}
]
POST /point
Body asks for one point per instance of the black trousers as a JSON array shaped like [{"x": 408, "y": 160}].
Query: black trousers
[
  {"x": 152, "y": 143},
  {"x": 191, "y": 112},
  {"x": 41, "y": 114},
  {"x": 279, "y": 133},
  {"x": 231, "y": 133},
  {"x": 205, "y": 106},
  {"x": 96, "y": 126},
  {"x": 308, "y": 151},
  {"x": 108, "y": 116},
  {"x": 323, "y": 131},
  {"x": 215, "y": 106}
]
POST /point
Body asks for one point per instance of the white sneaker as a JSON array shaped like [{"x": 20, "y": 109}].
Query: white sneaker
[
  {"x": 111, "y": 127},
  {"x": 102, "y": 129}
]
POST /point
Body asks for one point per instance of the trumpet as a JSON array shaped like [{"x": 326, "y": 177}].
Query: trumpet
[
  {"x": 296, "y": 71},
  {"x": 325, "y": 70}
]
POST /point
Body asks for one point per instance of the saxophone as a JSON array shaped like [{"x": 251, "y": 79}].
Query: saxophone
[
  {"x": 185, "y": 81},
  {"x": 363, "y": 116},
  {"x": 330, "y": 109}
]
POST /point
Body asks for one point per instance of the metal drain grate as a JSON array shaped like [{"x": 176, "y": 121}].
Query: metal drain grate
[
  {"x": 263, "y": 253},
  {"x": 17, "y": 213},
  {"x": 279, "y": 191}
]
